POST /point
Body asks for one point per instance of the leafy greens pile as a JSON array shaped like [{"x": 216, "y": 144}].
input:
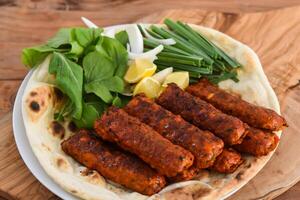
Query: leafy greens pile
[{"x": 88, "y": 69}]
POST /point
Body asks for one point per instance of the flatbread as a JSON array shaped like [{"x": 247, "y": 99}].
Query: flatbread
[{"x": 40, "y": 99}]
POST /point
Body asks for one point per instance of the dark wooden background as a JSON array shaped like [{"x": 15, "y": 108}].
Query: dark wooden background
[{"x": 22, "y": 23}]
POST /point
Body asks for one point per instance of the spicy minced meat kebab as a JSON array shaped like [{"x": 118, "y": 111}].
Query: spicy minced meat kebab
[
  {"x": 258, "y": 142},
  {"x": 202, "y": 114},
  {"x": 251, "y": 114},
  {"x": 120, "y": 167},
  {"x": 228, "y": 161},
  {"x": 128, "y": 132},
  {"x": 202, "y": 144}
]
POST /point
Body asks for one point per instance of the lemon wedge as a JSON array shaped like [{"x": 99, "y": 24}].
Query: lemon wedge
[
  {"x": 139, "y": 69},
  {"x": 149, "y": 86},
  {"x": 181, "y": 79}
]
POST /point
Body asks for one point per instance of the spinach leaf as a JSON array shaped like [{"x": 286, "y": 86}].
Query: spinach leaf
[
  {"x": 35, "y": 55},
  {"x": 122, "y": 37},
  {"x": 76, "y": 49},
  {"x": 89, "y": 115},
  {"x": 117, "y": 101},
  {"x": 99, "y": 79},
  {"x": 117, "y": 53},
  {"x": 69, "y": 79},
  {"x": 62, "y": 37},
  {"x": 95, "y": 101},
  {"x": 100, "y": 90},
  {"x": 114, "y": 84},
  {"x": 84, "y": 36},
  {"x": 97, "y": 66},
  {"x": 65, "y": 110}
]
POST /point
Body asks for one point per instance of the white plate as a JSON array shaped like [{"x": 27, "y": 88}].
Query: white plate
[{"x": 25, "y": 150}]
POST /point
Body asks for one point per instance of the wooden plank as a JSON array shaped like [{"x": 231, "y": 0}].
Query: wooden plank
[{"x": 25, "y": 23}]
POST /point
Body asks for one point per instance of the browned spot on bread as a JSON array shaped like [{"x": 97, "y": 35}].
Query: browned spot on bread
[
  {"x": 60, "y": 162},
  {"x": 188, "y": 192},
  {"x": 86, "y": 172},
  {"x": 239, "y": 176},
  {"x": 72, "y": 127},
  {"x": 33, "y": 93},
  {"x": 73, "y": 191},
  {"x": 201, "y": 193},
  {"x": 57, "y": 129},
  {"x": 48, "y": 148},
  {"x": 34, "y": 106},
  {"x": 248, "y": 166},
  {"x": 58, "y": 94}
]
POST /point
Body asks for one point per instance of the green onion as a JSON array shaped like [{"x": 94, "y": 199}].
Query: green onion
[
  {"x": 193, "y": 52},
  {"x": 172, "y": 49},
  {"x": 184, "y": 67}
]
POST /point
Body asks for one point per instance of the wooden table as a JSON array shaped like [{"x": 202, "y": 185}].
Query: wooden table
[{"x": 16, "y": 25}]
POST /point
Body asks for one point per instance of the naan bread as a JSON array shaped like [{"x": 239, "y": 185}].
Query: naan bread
[{"x": 45, "y": 135}]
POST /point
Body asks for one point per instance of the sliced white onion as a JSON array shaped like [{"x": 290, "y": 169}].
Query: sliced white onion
[
  {"x": 169, "y": 41},
  {"x": 161, "y": 75},
  {"x": 135, "y": 38},
  {"x": 151, "y": 55},
  {"x": 88, "y": 23},
  {"x": 110, "y": 33}
]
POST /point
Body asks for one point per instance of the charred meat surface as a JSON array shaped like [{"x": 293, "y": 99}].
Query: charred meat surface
[
  {"x": 123, "y": 168},
  {"x": 258, "y": 142},
  {"x": 253, "y": 115},
  {"x": 128, "y": 132},
  {"x": 185, "y": 175},
  {"x": 202, "y": 114},
  {"x": 228, "y": 161},
  {"x": 202, "y": 144}
]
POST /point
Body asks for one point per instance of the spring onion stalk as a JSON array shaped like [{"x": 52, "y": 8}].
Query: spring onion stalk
[
  {"x": 184, "y": 67},
  {"x": 233, "y": 63},
  {"x": 181, "y": 43},
  {"x": 193, "y": 52},
  {"x": 145, "y": 32},
  {"x": 167, "y": 48},
  {"x": 188, "y": 35}
]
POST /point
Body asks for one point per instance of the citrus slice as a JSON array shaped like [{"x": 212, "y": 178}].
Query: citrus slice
[
  {"x": 149, "y": 86},
  {"x": 181, "y": 79},
  {"x": 139, "y": 69}
]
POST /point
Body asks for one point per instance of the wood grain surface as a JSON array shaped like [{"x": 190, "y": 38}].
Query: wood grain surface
[{"x": 274, "y": 35}]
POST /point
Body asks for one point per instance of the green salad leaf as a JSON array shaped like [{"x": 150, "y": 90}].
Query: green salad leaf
[
  {"x": 69, "y": 79},
  {"x": 122, "y": 37},
  {"x": 97, "y": 66},
  {"x": 61, "y": 37},
  {"x": 33, "y": 56},
  {"x": 89, "y": 115},
  {"x": 99, "y": 76},
  {"x": 117, "y": 52}
]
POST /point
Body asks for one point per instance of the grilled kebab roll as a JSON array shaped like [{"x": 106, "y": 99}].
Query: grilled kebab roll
[
  {"x": 120, "y": 167},
  {"x": 253, "y": 115},
  {"x": 185, "y": 175},
  {"x": 258, "y": 142},
  {"x": 202, "y": 144},
  {"x": 128, "y": 132},
  {"x": 202, "y": 114},
  {"x": 228, "y": 161}
]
